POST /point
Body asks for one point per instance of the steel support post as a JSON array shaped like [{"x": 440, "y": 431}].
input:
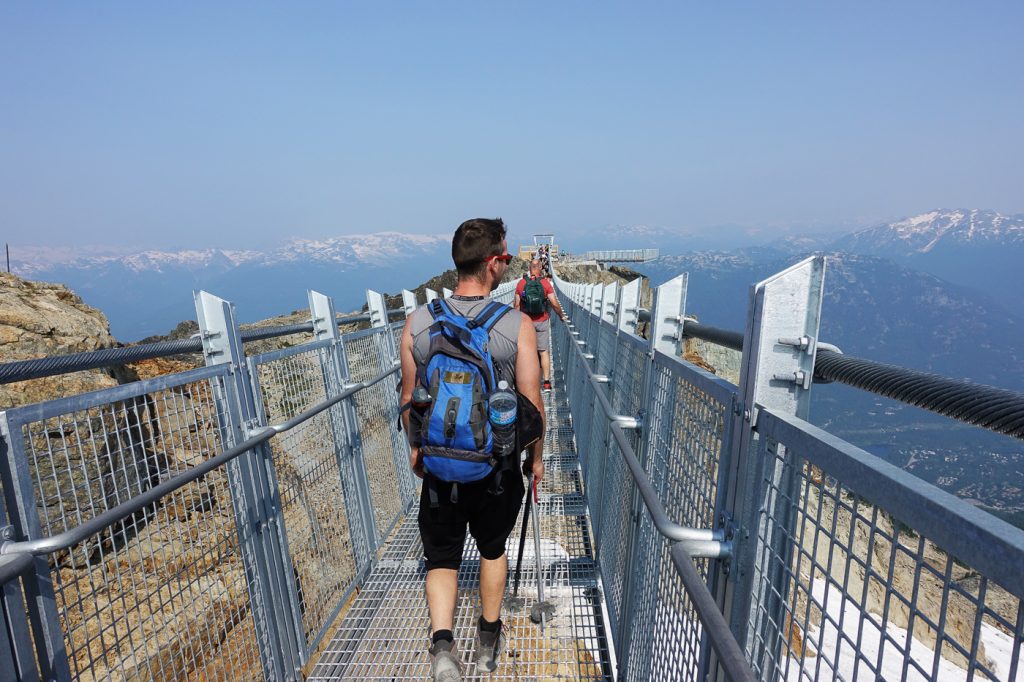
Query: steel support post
[
  {"x": 256, "y": 499},
  {"x": 378, "y": 308},
  {"x": 346, "y": 435},
  {"x": 47, "y": 632},
  {"x": 447, "y": 292},
  {"x": 586, "y": 304},
  {"x": 610, "y": 301},
  {"x": 597, "y": 291},
  {"x": 388, "y": 355},
  {"x": 664, "y": 336},
  {"x": 605, "y": 350},
  {"x": 594, "y": 336},
  {"x": 666, "y": 328},
  {"x": 593, "y": 315},
  {"x": 408, "y": 302},
  {"x": 430, "y": 294},
  {"x": 775, "y": 373},
  {"x": 627, "y": 315}
]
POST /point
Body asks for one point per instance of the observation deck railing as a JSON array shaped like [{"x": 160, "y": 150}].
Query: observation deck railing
[{"x": 618, "y": 255}]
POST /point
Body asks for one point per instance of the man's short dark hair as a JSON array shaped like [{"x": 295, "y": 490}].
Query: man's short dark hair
[{"x": 474, "y": 241}]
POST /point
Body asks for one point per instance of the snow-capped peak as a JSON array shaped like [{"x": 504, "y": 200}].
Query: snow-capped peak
[{"x": 923, "y": 233}]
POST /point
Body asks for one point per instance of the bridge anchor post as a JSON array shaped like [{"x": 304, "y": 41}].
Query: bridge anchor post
[{"x": 756, "y": 485}]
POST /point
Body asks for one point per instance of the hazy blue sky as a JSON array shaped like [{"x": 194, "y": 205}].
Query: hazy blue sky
[{"x": 218, "y": 124}]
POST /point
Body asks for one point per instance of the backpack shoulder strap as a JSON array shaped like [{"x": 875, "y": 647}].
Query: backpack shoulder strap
[
  {"x": 438, "y": 308},
  {"x": 489, "y": 316}
]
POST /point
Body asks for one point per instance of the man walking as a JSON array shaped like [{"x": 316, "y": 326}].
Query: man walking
[
  {"x": 489, "y": 511},
  {"x": 534, "y": 295}
]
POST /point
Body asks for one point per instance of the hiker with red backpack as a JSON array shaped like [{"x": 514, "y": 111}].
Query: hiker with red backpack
[
  {"x": 471, "y": 403},
  {"x": 534, "y": 295}
]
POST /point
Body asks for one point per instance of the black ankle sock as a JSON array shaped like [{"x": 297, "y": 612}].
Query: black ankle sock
[
  {"x": 443, "y": 635},
  {"x": 488, "y": 626}
]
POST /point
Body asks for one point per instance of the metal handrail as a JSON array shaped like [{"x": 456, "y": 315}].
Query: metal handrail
[
  {"x": 699, "y": 542},
  {"x": 37, "y": 368},
  {"x": 730, "y": 655},
  {"x": 73, "y": 536}
]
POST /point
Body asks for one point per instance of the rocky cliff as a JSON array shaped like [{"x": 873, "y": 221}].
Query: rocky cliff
[{"x": 39, "y": 319}]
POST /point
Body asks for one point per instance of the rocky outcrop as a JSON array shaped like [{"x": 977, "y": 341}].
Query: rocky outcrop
[{"x": 39, "y": 319}]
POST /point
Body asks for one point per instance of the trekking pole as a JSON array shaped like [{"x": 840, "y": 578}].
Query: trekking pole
[
  {"x": 542, "y": 610},
  {"x": 515, "y": 602}
]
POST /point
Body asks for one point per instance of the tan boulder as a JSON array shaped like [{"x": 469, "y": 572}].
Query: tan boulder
[{"x": 39, "y": 319}]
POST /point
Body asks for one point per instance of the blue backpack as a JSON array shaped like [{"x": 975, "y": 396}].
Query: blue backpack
[{"x": 455, "y": 438}]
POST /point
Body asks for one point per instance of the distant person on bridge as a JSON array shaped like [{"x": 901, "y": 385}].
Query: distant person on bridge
[
  {"x": 534, "y": 295},
  {"x": 489, "y": 507}
]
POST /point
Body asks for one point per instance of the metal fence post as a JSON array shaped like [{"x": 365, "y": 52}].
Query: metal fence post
[
  {"x": 41, "y": 601},
  {"x": 430, "y": 294},
  {"x": 665, "y": 336},
  {"x": 629, "y": 307},
  {"x": 346, "y": 434},
  {"x": 779, "y": 348},
  {"x": 255, "y": 497},
  {"x": 388, "y": 354},
  {"x": 447, "y": 292},
  {"x": 666, "y": 328},
  {"x": 610, "y": 299},
  {"x": 378, "y": 308},
  {"x": 408, "y": 302}
]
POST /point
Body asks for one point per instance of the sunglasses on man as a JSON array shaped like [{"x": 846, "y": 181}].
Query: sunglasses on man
[{"x": 505, "y": 258}]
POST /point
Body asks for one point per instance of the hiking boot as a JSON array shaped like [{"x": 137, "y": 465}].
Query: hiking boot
[
  {"x": 489, "y": 646},
  {"x": 547, "y": 385},
  {"x": 445, "y": 666}
]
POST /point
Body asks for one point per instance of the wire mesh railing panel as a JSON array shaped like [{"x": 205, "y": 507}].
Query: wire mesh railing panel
[
  {"x": 316, "y": 475},
  {"x": 162, "y": 594},
  {"x": 606, "y": 349},
  {"x": 688, "y": 427},
  {"x": 396, "y": 332},
  {"x": 631, "y": 359},
  {"x": 665, "y": 640},
  {"x": 617, "y": 527},
  {"x": 384, "y": 451},
  {"x": 844, "y": 587}
]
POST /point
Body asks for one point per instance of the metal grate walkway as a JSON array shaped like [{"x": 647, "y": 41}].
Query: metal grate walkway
[{"x": 384, "y": 635}]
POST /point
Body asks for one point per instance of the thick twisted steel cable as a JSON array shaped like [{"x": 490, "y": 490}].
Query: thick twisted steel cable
[
  {"x": 993, "y": 408},
  {"x": 108, "y": 357},
  {"x": 113, "y": 357},
  {"x": 722, "y": 337}
]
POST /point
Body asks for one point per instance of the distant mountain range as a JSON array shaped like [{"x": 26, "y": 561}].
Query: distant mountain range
[
  {"x": 148, "y": 292},
  {"x": 980, "y": 249}
]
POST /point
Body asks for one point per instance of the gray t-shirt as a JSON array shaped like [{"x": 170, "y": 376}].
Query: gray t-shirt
[{"x": 504, "y": 335}]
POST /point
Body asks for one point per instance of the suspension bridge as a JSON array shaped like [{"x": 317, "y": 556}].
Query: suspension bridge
[{"x": 255, "y": 518}]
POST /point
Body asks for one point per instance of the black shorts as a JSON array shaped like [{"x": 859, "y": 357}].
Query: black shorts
[{"x": 490, "y": 518}]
